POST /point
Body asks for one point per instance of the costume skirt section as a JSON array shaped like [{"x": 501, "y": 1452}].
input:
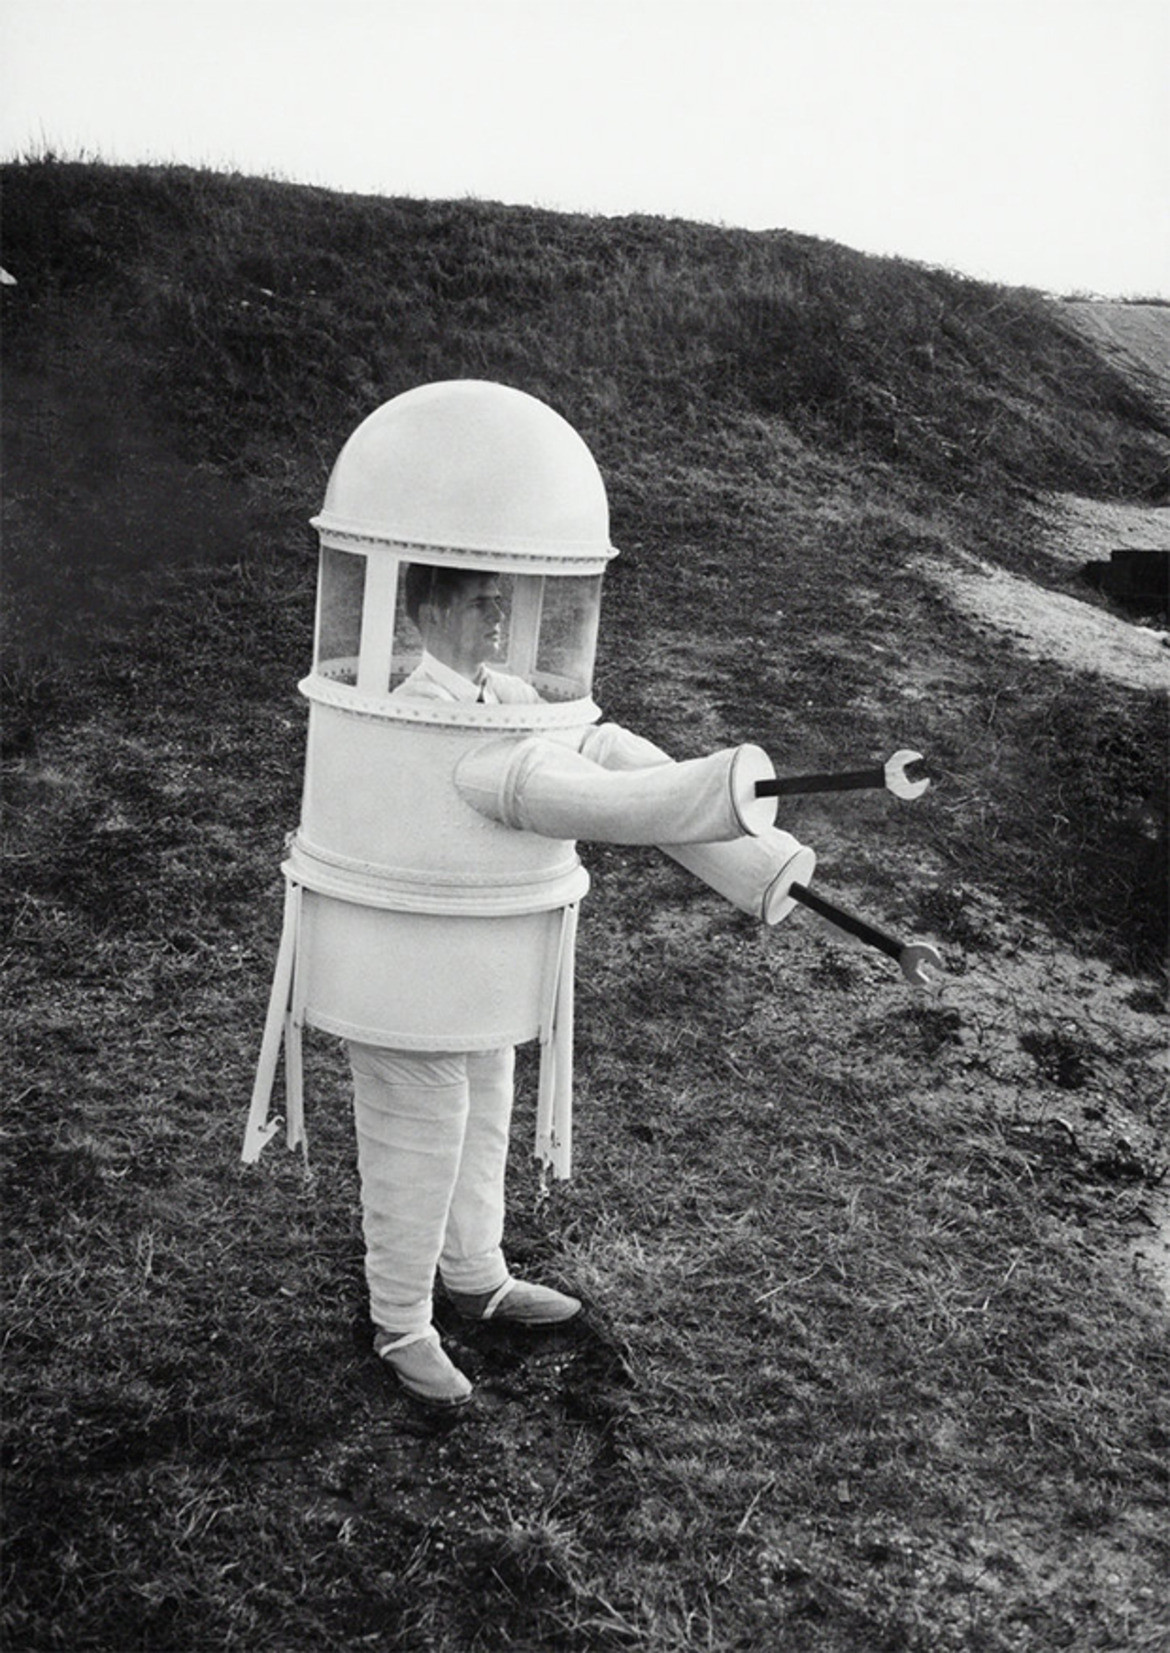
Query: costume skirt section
[
  {"x": 425, "y": 981},
  {"x": 380, "y": 977}
]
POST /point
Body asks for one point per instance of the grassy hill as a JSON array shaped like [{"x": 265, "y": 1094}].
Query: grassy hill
[
  {"x": 1135, "y": 336},
  {"x": 863, "y": 1369}
]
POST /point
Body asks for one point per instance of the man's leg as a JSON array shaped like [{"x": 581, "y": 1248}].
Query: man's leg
[
  {"x": 472, "y": 1256},
  {"x": 410, "y": 1112},
  {"x": 472, "y": 1262}
]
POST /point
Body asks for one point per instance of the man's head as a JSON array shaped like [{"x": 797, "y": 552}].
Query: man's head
[{"x": 458, "y": 612}]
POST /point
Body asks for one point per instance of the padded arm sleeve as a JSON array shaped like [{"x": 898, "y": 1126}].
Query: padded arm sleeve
[
  {"x": 537, "y": 785},
  {"x": 754, "y": 874}
]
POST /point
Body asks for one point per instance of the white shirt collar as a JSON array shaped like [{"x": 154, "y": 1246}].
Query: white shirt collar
[{"x": 456, "y": 685}]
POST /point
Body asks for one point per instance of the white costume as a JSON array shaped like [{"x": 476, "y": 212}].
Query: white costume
[{"x": 433, "y": 883}]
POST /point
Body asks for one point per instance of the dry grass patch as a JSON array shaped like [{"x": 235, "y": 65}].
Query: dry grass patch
[{"x": 865, "y": 1366}]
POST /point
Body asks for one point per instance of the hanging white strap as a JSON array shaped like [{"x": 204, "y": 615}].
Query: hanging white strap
[
  {"x": 562, "y": 1132},
  {"x": 554, "y": 1106},
  {"x": 260, "y": 1129},
  {"x": 294, "y": 1088}
]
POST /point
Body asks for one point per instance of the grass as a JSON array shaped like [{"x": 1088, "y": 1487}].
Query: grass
[{"x": 865, "y": 1366}]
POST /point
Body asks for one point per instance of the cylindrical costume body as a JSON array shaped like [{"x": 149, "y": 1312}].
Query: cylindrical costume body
[{"x": 424, "y": 925}]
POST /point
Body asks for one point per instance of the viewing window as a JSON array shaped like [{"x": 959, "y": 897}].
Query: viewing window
[
  {"x": 373, "y": 610},
  {"x": 547, "y": 636}
]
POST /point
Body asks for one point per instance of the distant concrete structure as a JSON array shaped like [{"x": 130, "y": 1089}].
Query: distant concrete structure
[{"x": 1137, "y": 577}]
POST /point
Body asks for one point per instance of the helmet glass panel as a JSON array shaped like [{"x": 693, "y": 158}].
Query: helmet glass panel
[{"x": 340, "y": 597}]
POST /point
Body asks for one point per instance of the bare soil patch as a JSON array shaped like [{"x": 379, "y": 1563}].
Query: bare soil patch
[{"x": 1073, "y": 631}]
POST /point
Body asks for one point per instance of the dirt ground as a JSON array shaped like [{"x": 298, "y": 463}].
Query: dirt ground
[
  {"x": 1073, "y": 632},
  {"x": 1063, "y": 627}
]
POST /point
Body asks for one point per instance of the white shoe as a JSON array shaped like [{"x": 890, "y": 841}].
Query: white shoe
[
  {"x": 422, "y": 1367},
  {"x": 517, "y": 1303}
]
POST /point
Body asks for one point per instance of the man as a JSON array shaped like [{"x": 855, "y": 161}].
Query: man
[
  {"x": 459, "y": 615},
  {"x": 432, "y": 1126},
  {"x": 433, "y": 882}
]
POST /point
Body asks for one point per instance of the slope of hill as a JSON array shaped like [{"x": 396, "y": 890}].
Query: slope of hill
[
  {"x": 862, "y": 1368},
  {"x": 1134, "y": 336}
]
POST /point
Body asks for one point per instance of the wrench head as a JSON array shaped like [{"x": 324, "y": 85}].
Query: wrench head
[
  {"x": 920, "y": 963},
  {"x": 897, "y": 780}
]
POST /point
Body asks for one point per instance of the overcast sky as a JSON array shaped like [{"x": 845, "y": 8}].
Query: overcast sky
[{"x": 1024, "y": 141}]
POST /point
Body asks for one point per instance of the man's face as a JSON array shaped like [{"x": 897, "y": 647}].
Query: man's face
[{"x": 470, "y": 629}]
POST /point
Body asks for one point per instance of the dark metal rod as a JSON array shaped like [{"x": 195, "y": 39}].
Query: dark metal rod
[
  {"x": 856, "y": 780},
  {"x": 849, "y": 922}
]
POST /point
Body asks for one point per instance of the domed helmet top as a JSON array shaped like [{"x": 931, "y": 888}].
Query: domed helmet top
[{"x": 471, "y": 471}]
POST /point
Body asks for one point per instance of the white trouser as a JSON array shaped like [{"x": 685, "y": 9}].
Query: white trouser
[{"x": 432, "y": 1137}]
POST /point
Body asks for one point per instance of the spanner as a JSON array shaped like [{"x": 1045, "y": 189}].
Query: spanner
[
  {"x": 891, "y": 775},
  {"x": 916, "y": 959}
]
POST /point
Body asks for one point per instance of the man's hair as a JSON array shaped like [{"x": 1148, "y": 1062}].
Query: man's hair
[{"x": 428, "y": 584}]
